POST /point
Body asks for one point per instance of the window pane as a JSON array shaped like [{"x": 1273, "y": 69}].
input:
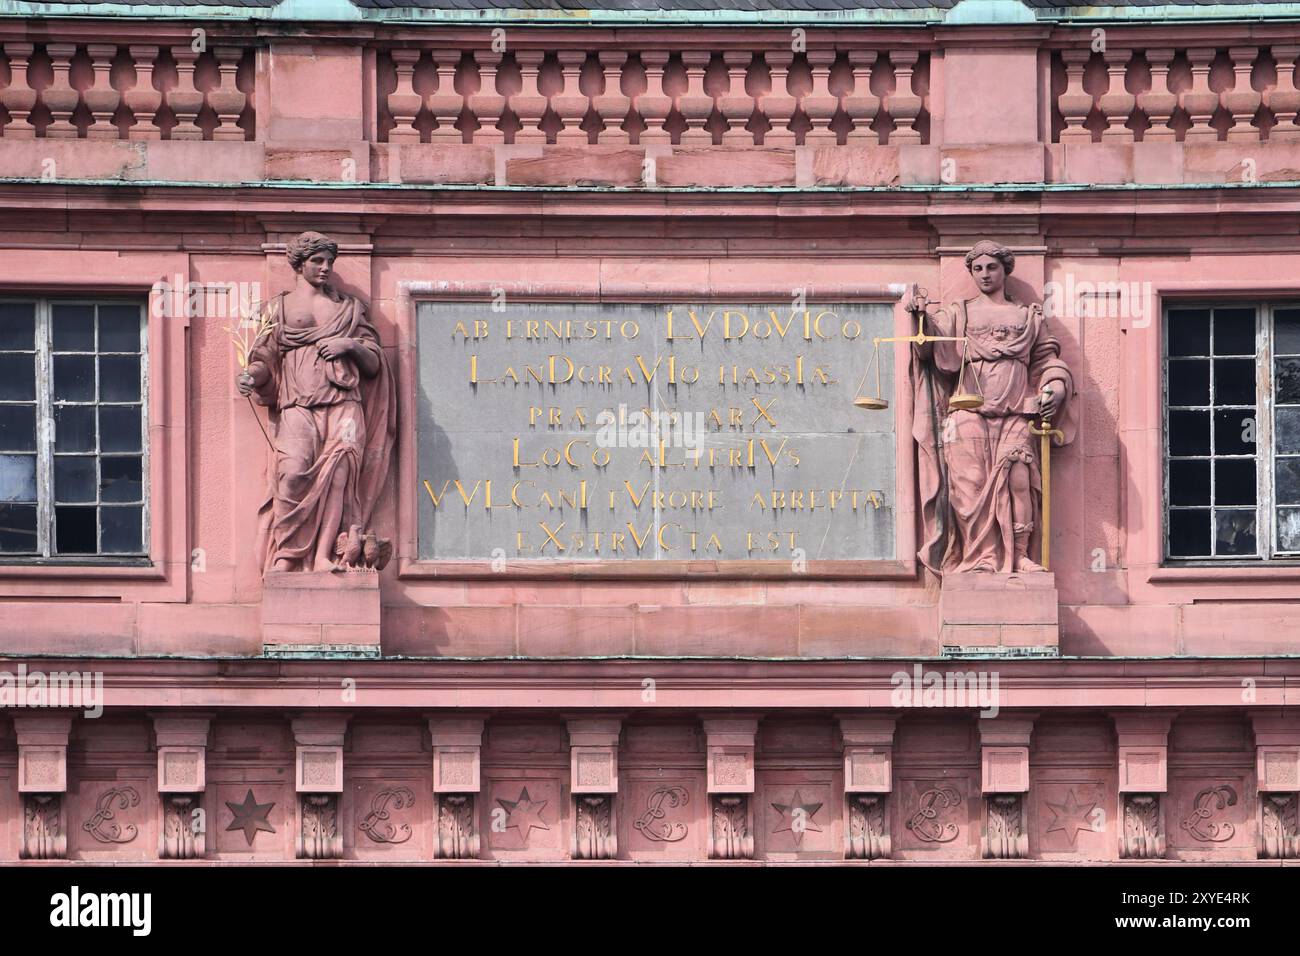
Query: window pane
[
  {"x": 1189, "y": 331},
  {"x": 121, "y": 530},
  {"x": 74, "y": 378},
  {"x": 1234, "y": 431},
  {"x": 17, "y": 529},
  {"x": 1234, "y": 382},
  {"x": 1189, "y": 383},
  {"x": 1286, "y": 332},
  {"x": 1286, "y": 489},
  {"x": 18, "y": 377},
  {"x": 1287, "y": 432},
  {"x": 1189, "y": 433},
  {"x": 1234, "y": 532},
  {"x": 1288, "y": 529},
  {"x": 119, "y": 328},
  {"x": 74, "y": 529},
  {"x": 74, "y": 478},
  {"x": 119, "y": 428},
  {"x": 1234, "y": 332},
  {"x": 74, "y": 428},
  {"x": 1234, "y": 481},
  {"x": 17, "y": 427},
  {"x": 73, "y": 328},
  {"x": 17, "y": 477},
  {"x": 119, "y": 378},
  {"x": 17, "y": 326},
  {"x": 1189, "y": 482},
  {"x": 1286, "y": 381},
  {"x": 120, "y": 479},
  {"x": 1189, "y": 533}
]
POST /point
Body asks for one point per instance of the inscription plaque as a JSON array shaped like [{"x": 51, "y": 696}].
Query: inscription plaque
[{"x": 614, "y": 431}]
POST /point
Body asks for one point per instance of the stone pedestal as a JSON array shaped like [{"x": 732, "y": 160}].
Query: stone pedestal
[
  {"x": 320, "y": 612},
  {"x": 1004, "y": 614}
]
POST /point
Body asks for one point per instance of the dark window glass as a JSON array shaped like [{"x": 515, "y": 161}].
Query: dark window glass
[
  {"x": 119, "y": 428},
  {"x": 121, "y": 530},
  {"x": 1189, "y": 332},
  {"x": 75, "y": 529},
  {"x": 120, "y": 479},
  {"x": 18, "y": 529},
  {"x": 1189, "y": 382},
  {"x": 18, "y": 377},
  {"x": 1189, "y": 532},
  {"x": 74, "y": 478},
  {"x": 17, "y": 427},
  {"x": 74, "y": 378},
  {"x": 74, "y": 428},
  {"x": 1189, "y": 433},
  {"x": 1286, "y": 489},
  {"x": 1234, "y": 332},
  {"x": 1234, "y": 382},
  {"x": 73, "y": 328},
  {"x": 1189, "y": 482},
  {"x": 17, "y": 326},
  {"x": 1286, "y": 432},
  {"x": 1234, "y": 533},
  {"x": 1286, "y": 332},
  {"x": 119, "y": 378},
  {"x": 1286, "y": 372},
  {"x": 17, "y": 477},
  {"x": 1234, "y": 431},
  {"x": 1234, "y": 481},
  {"x": 119, "y": 328}
]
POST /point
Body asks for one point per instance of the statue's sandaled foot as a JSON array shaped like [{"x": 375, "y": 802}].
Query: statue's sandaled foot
[
  {"x": 983, "y": 566},
  {"x": 1025, "y": 564}
]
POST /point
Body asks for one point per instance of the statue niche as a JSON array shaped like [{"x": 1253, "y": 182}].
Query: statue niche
[{"x": 321, "y": 372}]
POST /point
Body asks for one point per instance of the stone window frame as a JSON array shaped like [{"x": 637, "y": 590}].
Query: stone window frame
[
  {"x": 903, "y": 566},
  {"x": 164, "y": 577}
]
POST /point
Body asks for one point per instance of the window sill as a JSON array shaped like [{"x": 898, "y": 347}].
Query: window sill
[
  {"x": 1226, "y": 573},
  {"x": 135, "y": 569}
]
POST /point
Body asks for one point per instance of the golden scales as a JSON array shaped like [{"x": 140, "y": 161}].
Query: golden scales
[{"x": 960, "y": 398}]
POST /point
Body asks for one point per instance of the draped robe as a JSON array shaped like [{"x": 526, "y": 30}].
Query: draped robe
[
  {"x": 334, "y": 433},
  {"x": 970, "y": 464}
]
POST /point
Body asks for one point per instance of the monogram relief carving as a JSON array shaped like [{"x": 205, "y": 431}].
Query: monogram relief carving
[
  {"x": 1200, "y": 823},
  {"x": 103, "y": 825},
  {"x": 653, "y": 823},
  {"x": 377, "y": 824},
  {"x": 929, "y": 822}
]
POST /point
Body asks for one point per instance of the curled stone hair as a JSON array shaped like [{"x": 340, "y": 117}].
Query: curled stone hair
[
  {"x": 307, "y": 245},
  {"x": 987, "y": 247}
]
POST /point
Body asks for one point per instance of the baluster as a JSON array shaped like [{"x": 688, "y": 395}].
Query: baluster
[
  {"x": 1160, "y": 101},
  {"x": 529, "y": 104},
  {"x": 569, "y": 103},
  {"x": 142, "y": 99},
  {"x": 611, "y": 105},
  {"x": 60, "y": 98},
  {"x": 101, "y": 99},
  {"x": 487, "y": 104},
  {"x": 446, "y": 105},
  {"x": 736, "y": 105},
  {"x": 779, "y": 104},
  {"x": 1117, "y": 103},
  {"x": 696, "y": 105},
  {"x": 19, "y": 96},
  {"x": 654, "y": 105},
  {"x": 1075, "y": 103},
  {"x": 186, "y": 99},
  {"x": 1284, "y": 99},
  {"x": 1200, "y": 101},
  {"x": 227, "y": 100},
  {"x": 820, "y": 104},
  {"x": 903, "y": 104},
  {"x": 404, "y": 103},
  {"x": 860, "y": 103},
  {"x": 1242, "y": 101}
]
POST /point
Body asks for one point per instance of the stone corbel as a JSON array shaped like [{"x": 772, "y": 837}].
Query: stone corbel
[
  {"x": 318, "y": 779},
  {"x": 182, "y": 744},
  {"x": 1277, "y": 772},
  {"x": 1004, "y": 775},
  {"x": 868, "y": 782},
  {"x": 730, "y": 746},
  {"x": 1143, "y": 778},
  {"x": 42, "y": 782},
  {"x": 593, "y": 782},
  {"x": 457, "y": 750}
]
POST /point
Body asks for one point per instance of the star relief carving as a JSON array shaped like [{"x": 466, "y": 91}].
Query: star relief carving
[
  {"x": 525, "y": 814},
  {"x": 251, "y": 816},
  {"x": 1070, "y": 816},
  {"x": 797, "y": 817}
]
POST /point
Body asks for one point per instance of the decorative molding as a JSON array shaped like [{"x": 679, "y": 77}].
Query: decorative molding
[
  {"x": 731, "y": 832},
  {"x": 730, "y": 747},
  {"x": 182, "y": 838},
  {"x": 653, "y": 823},
  {"x": 1143, "y": 833},
  {"x": 457, "y": 747},
  {"x": 928, "y": 821},
  {"x": 1279, "y": 826},
  {"x": 1005, "y": 836},
  {"x": 867, "y": 833},
  {"x": 45, "y": 833},
  {"x": 318, "y": 760},
  {"x": 1201, "y": 825},
  {"x": 42, "y": 753},
  {"x": 594, "y": 834},
  {"x": 319, "y": 836},
  {"x": 458, "y": 837},
  {"x": 103, "y": 825},
  {"x": 377, "y": 823}
]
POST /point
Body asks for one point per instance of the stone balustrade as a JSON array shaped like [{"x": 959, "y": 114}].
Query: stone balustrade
[
  {"x": 696, "y": 97},
  {"x": 131, "y": 91}
]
